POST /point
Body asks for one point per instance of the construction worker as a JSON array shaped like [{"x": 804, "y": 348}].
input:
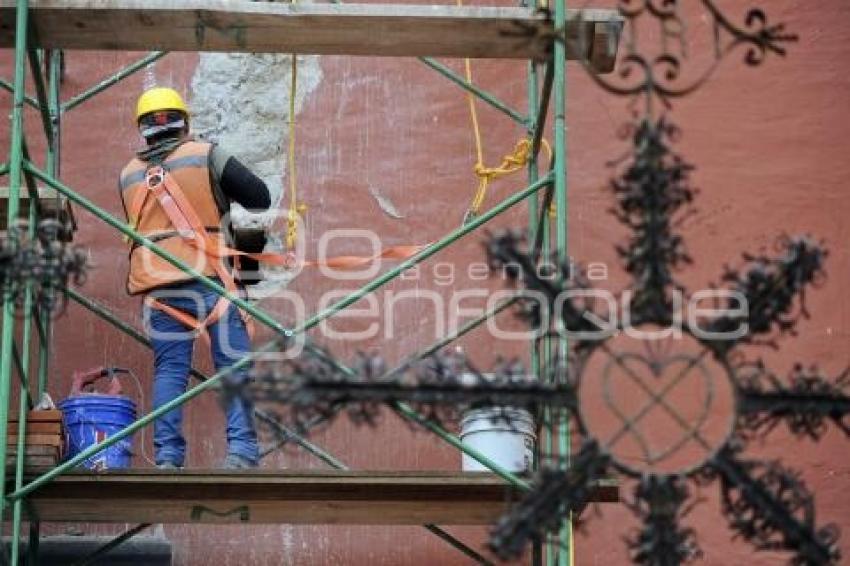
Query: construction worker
[{"x": 175, "y": 192}]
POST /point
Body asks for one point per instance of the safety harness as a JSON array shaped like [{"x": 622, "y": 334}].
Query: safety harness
[{"x": 188, "y": 225}]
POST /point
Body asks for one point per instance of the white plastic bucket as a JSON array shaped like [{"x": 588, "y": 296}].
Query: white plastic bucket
[{"x": 504, "y": 434}]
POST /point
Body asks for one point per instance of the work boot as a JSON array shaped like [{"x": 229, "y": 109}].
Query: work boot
[{"x": 237, "y": 462}]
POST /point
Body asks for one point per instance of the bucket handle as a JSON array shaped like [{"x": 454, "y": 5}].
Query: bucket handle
[{"x": 82, "y": 379}]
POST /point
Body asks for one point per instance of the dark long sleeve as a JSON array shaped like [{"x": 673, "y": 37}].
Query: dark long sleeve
[{"x": 238, "y": 183}]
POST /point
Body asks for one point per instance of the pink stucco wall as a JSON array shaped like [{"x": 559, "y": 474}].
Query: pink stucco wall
[{"x": 772, "y": 158}]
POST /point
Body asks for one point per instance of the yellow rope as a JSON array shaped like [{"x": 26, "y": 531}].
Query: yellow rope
[
  {"x": 511, "y": 163},
  {"x": 292, "y": 216},
  {"x": 296, "y": 209},
  {"x": 473, "y": 113}
]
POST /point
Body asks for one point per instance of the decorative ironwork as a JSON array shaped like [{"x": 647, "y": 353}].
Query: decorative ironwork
[
  {"x": 659, "y": 503},
  {"x": 654, "y": 76},
  {"x": 548, "y": 285},
  {"x": 44, "y": 264},
  {"x": 805, "y": 402},
  {"x": 650, "y": 193},
  {"x": 658, "y": 76},
  {"x": 769, "y": 288},
  {"x": 555, "y": 494},
  {"x": 771, "y": 508},
  {"x": 440, "y": 387},
  {"x": 774, "y": 288},
  {"x": 649, "y": 350}
]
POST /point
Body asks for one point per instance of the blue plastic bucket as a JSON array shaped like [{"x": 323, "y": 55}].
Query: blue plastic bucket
[{"x": 92, "y": 418}]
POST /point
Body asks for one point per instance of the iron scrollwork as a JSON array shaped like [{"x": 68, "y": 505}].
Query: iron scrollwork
[
  {"x": 765, "y": 503},
  {"x": 653, "y": 78},
  {"x": 44, "y": 264}
]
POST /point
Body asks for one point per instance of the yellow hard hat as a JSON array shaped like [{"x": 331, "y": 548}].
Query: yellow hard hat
[{"x": 159, "y": 98}]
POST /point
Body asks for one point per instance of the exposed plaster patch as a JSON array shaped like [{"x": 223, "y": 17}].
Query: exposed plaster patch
[{"x": 241, "y": 101}]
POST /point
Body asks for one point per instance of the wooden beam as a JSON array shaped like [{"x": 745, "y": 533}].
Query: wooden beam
[
  {"x": 325, "y": 29},
  {"x": 603, "y": 46},
  {"x": 278, "y": 496},
  {"x": 50, "y": 207}
]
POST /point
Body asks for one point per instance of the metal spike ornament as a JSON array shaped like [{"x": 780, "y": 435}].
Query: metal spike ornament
[
  {"x": 556, "y": 492},
  {"x": 766, "y": 504},
  {"x": 806, "y": 401},
  {"x": 657, "y": 399},
  {"x": 659, "y": 501},
  {"x": 440, "y": 387},
  {"x": 44, "y": 264},
  {"x": 705, "y": 402},
  {"x": 770, "y": 507}
]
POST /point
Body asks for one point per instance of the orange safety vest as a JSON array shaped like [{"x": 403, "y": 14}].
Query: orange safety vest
[
  {"x": 189, "y": 166},
  {"x": 172, "y": 204}
]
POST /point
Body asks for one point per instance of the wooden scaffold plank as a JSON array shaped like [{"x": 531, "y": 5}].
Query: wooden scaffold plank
[
  {"x": 279, "y": 496},
  {"x": 310, "y": 28},
  {"x": 51, "y": 206}
]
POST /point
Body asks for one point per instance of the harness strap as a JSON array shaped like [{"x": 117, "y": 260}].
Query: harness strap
[
  {"x": 134, "y": 213},
  {"x": 185, "y": 219},
  {"x": 189, "y": 226},
  {"x": 159, "y": 236}
]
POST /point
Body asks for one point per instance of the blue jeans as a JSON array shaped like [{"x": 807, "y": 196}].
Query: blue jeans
[{"x": 172, "y": 345}]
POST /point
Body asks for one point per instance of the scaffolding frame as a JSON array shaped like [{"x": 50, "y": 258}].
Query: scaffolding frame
[{"x": 45, "y": 70}]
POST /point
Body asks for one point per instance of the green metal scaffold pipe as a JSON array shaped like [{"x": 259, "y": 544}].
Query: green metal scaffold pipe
[
  {"x": 24, "y": 401},
  {"x": 15, "y": 177},
  {"x": 480, "y": 93},
  {"x": 565, "y": 548},
  {"x": 533, "y": 171},
  {"x": 25, "y": 396},
  {"x": 42, "y": 318},
  {"x": 428, "y": 252},
  {"x": 41, "y": 92},
  {"x": 434, "y": 248},
  {"x": 105, "y": 314},
  {"x": 112, "y": 80},
  {"x": 7, "y": 86}
]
